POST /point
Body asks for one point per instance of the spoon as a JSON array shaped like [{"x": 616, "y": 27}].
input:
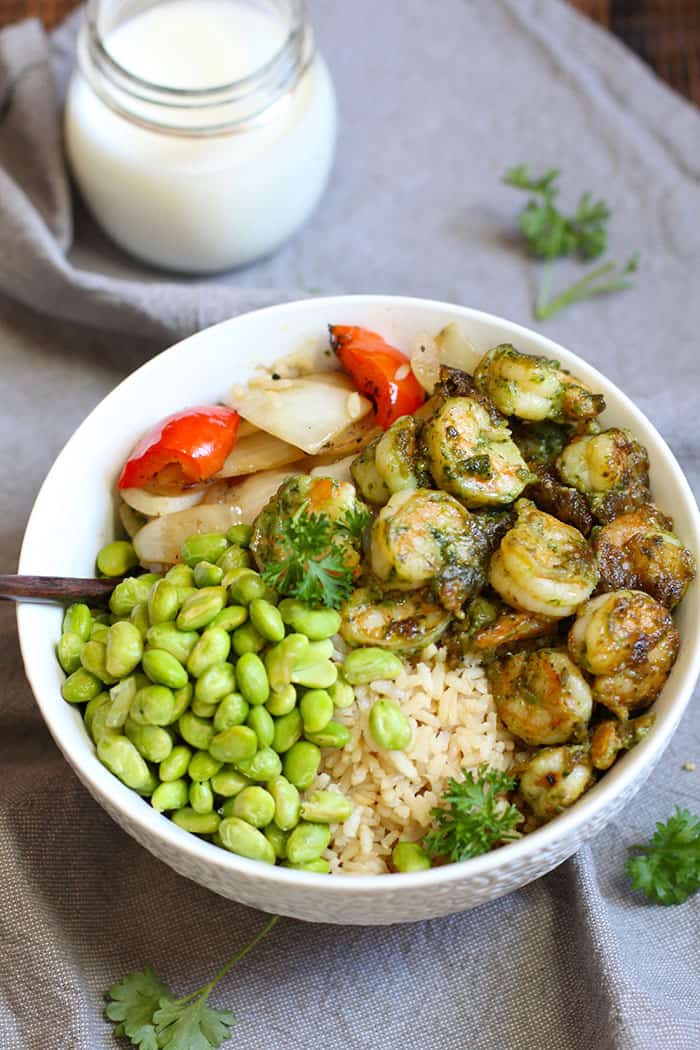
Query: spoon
[{"x": 55, "y": 588}]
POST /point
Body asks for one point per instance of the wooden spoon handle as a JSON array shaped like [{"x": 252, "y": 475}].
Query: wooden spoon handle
[{"x": 55, "y": 588}]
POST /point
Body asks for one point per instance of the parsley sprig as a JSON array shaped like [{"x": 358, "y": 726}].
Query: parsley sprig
[
  {"x": 475, "y": 816},
  {"x": 316, "y": 569},
  {"x": 667, "y": 870},
  {"x": 148, "y": 1014},
  {"x": 551, "y": 234}
]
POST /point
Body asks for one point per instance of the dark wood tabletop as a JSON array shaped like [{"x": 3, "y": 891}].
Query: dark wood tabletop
[{"x": 665, "y": 33}]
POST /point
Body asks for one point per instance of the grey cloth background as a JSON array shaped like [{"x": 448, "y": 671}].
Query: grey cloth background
[{"x": 436, "y": 100}]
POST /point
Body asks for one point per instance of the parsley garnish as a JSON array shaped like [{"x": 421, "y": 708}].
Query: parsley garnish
[
  {"x": 668, "y": 869},
  {"x": 355, "y": 521},
  {"x": 551, "y": 235},
  {"x": 149, "y": 1015},
  {"x": 315, "y": 570},
  {"x": 475, "y": 817}
]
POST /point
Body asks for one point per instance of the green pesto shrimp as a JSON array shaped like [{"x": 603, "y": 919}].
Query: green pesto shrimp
[
  {"x": 611, "y": 469},
  {"x": 542, "y": 697},
  {"x": 390, "y": 463},
  {"x": 471, "y": 454},
  {"x": 543, "y": 565},
  {"x": 554, "y": 778},
  {"x": 639, "y": 551},
  {"x": 534, "y": 388},
  {"x": 628, "y": 642},
  {"x": 403, "y": 622},
  {"x": 428, "y": 537},
  {"x": 610, "y": 737}
]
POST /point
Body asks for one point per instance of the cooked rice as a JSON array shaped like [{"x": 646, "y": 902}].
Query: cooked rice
[{"x": 455, "y": 727}]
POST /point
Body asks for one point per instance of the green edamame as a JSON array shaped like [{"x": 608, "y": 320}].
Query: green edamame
[
  {"x": 367, "y": 665},
  {"x": 307, "y": 842},
  {"x": 247, "y": 586},
  {"x": 333, "y": 734},
  {"x": 301, "y": 764},
  {"x": 234, "y": 745},
  {"x": 201, "y": 796},
  {"x": 282, "y": 701},
  {"x": 131, "y": 592},
  {"x": 183, "y": 698},
  {"x": 175, "y": 766},
  {"x": 197, "y": 823},
  {"x": 80, "y": 687},
  {"x": 287, "y": 730},
  {"x": 410, "y": 856},
  {"x": 316, "y": 624},
  {"x": 77, "y": 619},
  {"x": 99, "y": 632},
  {"x": 230, "y": 618},
  {"x": 116, "y": 558},
  {"x": 164, "y": 669},
  {"x": 321, "y": 675},
  {"x": 180, "y": 575},
  {"x": 153, "y": 742},
  {"x": 234, "y": 558},
  {"x": 216, "y": 682},
  {"x": 321, "y": 866},
  {"x": 282, "y": 658},
  {"x": 342, "y": 693},
  {"x": 266, "y": 619},
  {"x": 203, "y": 546},
  {"x": 99, "y": 705},
  {"x": 240, "y": 535},
  {"x": 264, "y": 765},
  {"x": 171, "y": 795},
  {"x": 123, "y": 649},
  {"x": 203, "y": 709},
  {"x": 206, "y": 574},
  {"x": 68, "y": 651},
  {"x": 247, "y": 639},
  {"x": 139, "y": 617},
  {"x": 123, "y": 759},
  {"x": 316, "y": 709},
  {"x": 121, "y": 696},
  {"x": 163, "y": 602},
  {"x": 200, "y": 608},
  {"x": 277, "y": 839},
  {"x": 203, "y": 766},
  {"x": 242, "y": 838},
  {"x": 252, "y": 679},
  {"x": 287, "y": 803},
  {"x": 326, "y": 807},
  {"x": 212, "y": 648},
  {"x": 93, "y": 657},
  {"x": 262, "y": 724},
  {"x": 232, "y": 710},
  {"x": 228, "y": 782},
  {"x": 198, "y": 732},
  {"x": 255, "y": 805},
  {"x": 390, "y": 729},
  {"x": 167, "y": 636}
]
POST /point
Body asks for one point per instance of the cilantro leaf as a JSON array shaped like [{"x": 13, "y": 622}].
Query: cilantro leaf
[
  {"x": 355, "y": 521},
  {"x": 476, "y": 816},
  {"x": 668, "y": 869},
  {"x": 315, "y": 569},
  {"x": 191, "y": 1026},
  {"x": 133, "y": 1002}
]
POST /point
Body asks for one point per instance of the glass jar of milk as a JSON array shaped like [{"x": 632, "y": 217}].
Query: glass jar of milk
[{"x": 200, "y": 132}]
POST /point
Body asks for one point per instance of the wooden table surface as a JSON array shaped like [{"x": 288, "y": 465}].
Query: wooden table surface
[{"x": 665, "y": 33}]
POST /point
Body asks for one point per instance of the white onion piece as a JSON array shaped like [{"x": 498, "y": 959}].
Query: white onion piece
[
  {"x": 340, "y": 470},
  {"x": 425, "y": 362},
  {"x": 259, "y": 451},
  {"x": 455, "y": 350},
  {"x": 253, "y": 493},
  {"x": 155, "y": 506},
  {"x": 307, "y": 413},
  {"x": 245, "y": 429},
  {"x": 161, "y": 539},
  {"x": 130, "y": 519},
  {"x": 354, "y": 438}
]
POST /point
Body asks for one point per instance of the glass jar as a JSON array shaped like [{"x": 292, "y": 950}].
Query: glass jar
[{"x": 201, "y": 133}]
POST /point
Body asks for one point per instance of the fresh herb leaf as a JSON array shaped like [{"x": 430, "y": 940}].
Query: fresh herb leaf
[
  {"x": 355, "y": 521},
  {"x": 550, "y": 234},
  {"x": 668, "y": 869},
  {"x": 476, "y": 816},
  {"x": 315, "y": 570},
  {"x": 152, "y": 1019}
]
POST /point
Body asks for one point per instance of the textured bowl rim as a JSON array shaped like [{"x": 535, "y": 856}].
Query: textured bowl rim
[{"x": 627, "y": 770}]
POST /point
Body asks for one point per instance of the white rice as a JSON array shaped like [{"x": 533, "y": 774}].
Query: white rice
[{"x": 455, "y": 726}]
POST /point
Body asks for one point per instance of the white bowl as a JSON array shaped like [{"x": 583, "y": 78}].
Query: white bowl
[{"x": 74, "y": 515}]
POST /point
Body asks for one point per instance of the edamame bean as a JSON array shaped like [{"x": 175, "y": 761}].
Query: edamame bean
[
  {"x": 116, "y": 558},
  {"x": 77, "y": 619},
  {"x": 368, "y": 665},
  {"x": 281, "y": 659},
  {"x": 252, "y": 679},
  {"x": 242, "y": 838},
  {"x": 171, "y": 795},
  {"x": 200, "y": 608},
  {"x": 315, "y": 676},
  {"x": 203, "y": 546},
  {"x": 390, "y": 729},
  {"x": 287, "y": 730},
  {"x": 342, "y": 693},
  {"x": 175, "y": 766},
  {"x": 163, "y": 602},
  {"x": 316, "y": 624},
  {"x": 122, "y": 696},
  {"x": 234, "y": 745},
  {"x": 326, "y": 807},
  {"x": 307, "y": 842},
  {"x": 212, "y": 648},
  {"x": 180, "y": 575},
  {"x": 182, "y": 698},
  {"x": 282, "y": 701},
  {"x": 316, "y": 709},
  {"x": 206, "y": 574},
  {"x": 255, "y": 805},
  {"x": 163, "y": 669},
  {"x": 93, "y": 657},
  {"x": 93, "y": 707},
  {"x": 139, "y": 617},
  {"x": 68, "y": 651},
  {"x": 287, "y": 804},
  {"x": 167, "y": 636},
  {"x": 123, "y": 649},
  {"x": 240, "y": 535},
  {"x": 266, "y": 619},
  {"x": 202, "y": 709},
  {"x": 247, "y": 586},
  {"x": 333, "y": 734},
  {"x": 98, "y": 719},
  {"x": 201, "y": 796},
  {"x": 123, "y": 759},
  {"x": 101, "y": 616},
  {"x": 80, "y": 687},
  {"x": 410, "y": 856},
  {"x": 262, "y": 724},
  {"x": 247, "y": 639},
  {"x": 202, "y": 766},
  {"x": 277, "y": 839},
  {"x": 232, "y": 710},
  {"x": 234, "y": 558},
  {"x": 131, "y": 592},
  {"x": 228, "y": 782},
  {"x": 301, "y": 764},
  {"x": 99, "y": 632},
  {"x": 230, "y": 618},
  {"x": 264, "y": 765},
  {"x": 195, "y": 731},
  {"x": 215, "y": 683},
  {"x": 153, "y": 742},
  {"x": 321, "y": 866},
  {"x": 197, "y": 823}
]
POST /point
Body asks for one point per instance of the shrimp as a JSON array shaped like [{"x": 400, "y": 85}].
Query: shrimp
[
  {"x": 390, "y": 463},
  {"x": 543, "y": 565},
  {"x": 611, "y": 737},
  {"x": 542, "y": 697},
  {"x": 402, "y": 622},
  {"x": 428, "y": 537},
  {"x": 471, "y": 454},
  {"x": 554, "y": 778},
  {"x": 370, "y": 484},
  {"x": 534, "y": 388},
  {"x": 611, "y": 469},
  {"x": 510, "y": 627},
  {"x": 639, "y": 551},
  {"x": 628, "y": 642}
]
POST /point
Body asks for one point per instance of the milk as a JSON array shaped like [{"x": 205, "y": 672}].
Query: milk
[{"x": 209, "y": 202}]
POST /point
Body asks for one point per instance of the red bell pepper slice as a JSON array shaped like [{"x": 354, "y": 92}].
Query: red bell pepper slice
[
  {"x": 379, "y": 371},
  {"x": 192, "y": 446}
]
